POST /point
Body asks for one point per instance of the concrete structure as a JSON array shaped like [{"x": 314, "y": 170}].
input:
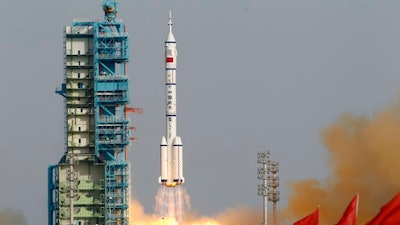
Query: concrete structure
[{"x": 91, "y": 183}]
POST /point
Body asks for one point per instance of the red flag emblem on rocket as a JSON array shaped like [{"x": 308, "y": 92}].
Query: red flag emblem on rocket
[{"x": 170, "y": 60}]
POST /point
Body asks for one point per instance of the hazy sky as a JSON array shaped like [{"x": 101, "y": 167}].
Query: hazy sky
[{"x": 252, "y": 75}]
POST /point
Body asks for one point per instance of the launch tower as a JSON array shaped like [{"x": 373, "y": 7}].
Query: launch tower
[{"x": 91, "y": 183}]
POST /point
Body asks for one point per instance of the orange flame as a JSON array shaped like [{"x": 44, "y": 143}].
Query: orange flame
[{"x": 231, "y": 216}]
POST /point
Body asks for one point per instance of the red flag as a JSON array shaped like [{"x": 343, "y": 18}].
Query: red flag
[
  {"x": 312, "y": 219},
  {"x": 389, "y": 214},
  {"x": 350, "y": 215},
  {"x": 169, "y": 60}
]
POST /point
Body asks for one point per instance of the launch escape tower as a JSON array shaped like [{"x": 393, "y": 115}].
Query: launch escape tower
[{"x": 91, "y": 183}]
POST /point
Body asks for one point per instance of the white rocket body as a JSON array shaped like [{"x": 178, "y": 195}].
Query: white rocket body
[{"x": 171, "y": 154}]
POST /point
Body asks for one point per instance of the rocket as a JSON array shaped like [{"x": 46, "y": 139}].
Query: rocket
[{"x": 171, "y": 151}]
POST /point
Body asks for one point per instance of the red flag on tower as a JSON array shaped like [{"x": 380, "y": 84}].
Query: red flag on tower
[
  {"x": 312, "y": 219},
  {"x": 389, "y": 214},
  {"x": 350, "y": 215}
]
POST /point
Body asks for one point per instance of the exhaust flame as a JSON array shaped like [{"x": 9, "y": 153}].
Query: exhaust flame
[
  {"x": 173, "y": 208},
  {"x": 172, "y": 203},
  {"x": 364, "y": 154}
]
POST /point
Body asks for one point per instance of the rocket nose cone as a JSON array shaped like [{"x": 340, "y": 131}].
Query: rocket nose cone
[
  {"x": 170, "y": 37},
  {"x": 163, "y": 141},
  {"x": 178, "y": 141}
]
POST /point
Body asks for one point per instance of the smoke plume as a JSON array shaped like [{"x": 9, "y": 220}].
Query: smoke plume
[
  {"x": 232, "y": 216},
  {"x": 364, "y": 158},
  {"x": 10, "y": 217}
]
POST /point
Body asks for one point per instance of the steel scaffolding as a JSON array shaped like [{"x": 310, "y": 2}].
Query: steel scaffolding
[{"x": 91, "y": 183}]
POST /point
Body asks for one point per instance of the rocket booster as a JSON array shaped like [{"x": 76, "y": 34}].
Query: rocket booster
[{"x": 171, "y": 151}]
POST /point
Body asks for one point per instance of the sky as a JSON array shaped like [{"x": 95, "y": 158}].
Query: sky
[{"x": 252, "y": 76}]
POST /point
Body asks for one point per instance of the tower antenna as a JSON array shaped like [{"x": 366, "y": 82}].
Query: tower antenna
[{"x": 110, "y": 8}]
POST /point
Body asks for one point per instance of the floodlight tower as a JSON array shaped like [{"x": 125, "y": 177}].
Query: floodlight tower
[
  {"x": 263, "y": 189},
  {"x": 273, "y": 183}
]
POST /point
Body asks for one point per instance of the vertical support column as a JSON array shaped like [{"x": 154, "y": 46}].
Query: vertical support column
[
  {"x": 53, "y": 183},
  {"x": 270, "y": 183},
  {"x": 263, "y": 189},
  {"x": 71, "y": 177},
  {"x": 273, "y": 195}
]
